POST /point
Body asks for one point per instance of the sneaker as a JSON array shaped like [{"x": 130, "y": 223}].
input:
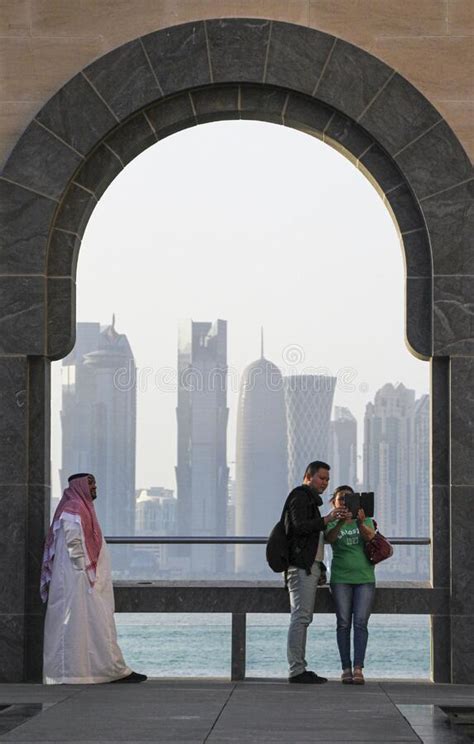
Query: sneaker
[
  {"x": 346, "y": 676},
  {"x": 133, "y": 678},
  {"x": 307, "y": 678}
]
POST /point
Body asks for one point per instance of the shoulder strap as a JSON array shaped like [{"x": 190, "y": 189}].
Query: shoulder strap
[{"x": 285, "y": 507}]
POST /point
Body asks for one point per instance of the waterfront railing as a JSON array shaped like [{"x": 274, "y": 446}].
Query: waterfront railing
[{"x": 241, "y": 597}]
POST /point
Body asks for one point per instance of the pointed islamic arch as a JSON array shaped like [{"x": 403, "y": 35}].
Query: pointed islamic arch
[
  {"x": 270, "y": 71},
  {"x": 230, "y": 69}
]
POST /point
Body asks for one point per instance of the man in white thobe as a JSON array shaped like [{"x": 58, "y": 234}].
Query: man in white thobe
[{"x": 80, "y": 638}]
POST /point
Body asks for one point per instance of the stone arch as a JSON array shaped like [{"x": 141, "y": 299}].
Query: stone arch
[
  {"x": 220, "y": 69},
  {"x": 243, "y": 101}
]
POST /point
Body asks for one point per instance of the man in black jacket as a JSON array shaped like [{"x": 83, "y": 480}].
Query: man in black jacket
[{"x": 305, "y": 529}]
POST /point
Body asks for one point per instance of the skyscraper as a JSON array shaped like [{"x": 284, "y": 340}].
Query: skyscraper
[
  {"x": 261, "y": 459},
  {"x": 396, "y": 467},
  {"x": 343, "y": 448},
  {"x": 231, "y": 530},
  {"x": 202, "y": 414},
  {"x": 308, "y": 401},
  {"x": 422, "y": 465},
  {"x": 422, "y": 482},
  {"x": 155, "y": 515},
  {"x": 98, "y": 421},
  {"x": 389, "y": 456},
  {"x": 155, "y": 511}
]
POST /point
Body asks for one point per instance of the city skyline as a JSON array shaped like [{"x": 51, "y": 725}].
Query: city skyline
[
  {"x": 283, "y": 423},
  {"x": 202, "y": 373},
  {"x": 314, "y": 283},
  {"x": 127, "y": 378}
]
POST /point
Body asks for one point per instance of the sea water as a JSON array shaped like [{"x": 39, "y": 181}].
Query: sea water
[{"x": 199, "y": 645}]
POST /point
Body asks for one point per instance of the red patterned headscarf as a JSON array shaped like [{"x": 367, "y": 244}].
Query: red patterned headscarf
[{"x": 76, "y": 500}]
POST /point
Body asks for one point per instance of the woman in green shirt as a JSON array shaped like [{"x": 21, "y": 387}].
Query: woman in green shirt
[{"x": 352, "y": 584}]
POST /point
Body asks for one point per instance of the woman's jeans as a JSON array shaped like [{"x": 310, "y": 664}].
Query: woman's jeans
[{"x": 352, "y": 600}]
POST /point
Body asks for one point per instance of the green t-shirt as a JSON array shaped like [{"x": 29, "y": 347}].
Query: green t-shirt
[{"x": 349, "y": 563}]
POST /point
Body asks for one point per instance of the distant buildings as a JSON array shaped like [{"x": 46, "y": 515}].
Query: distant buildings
[
  {"x": 422, "y": 462},
  {"x": 343, "y": 448},
  {"x": 231, "y": 528},
  {"x": 261, "y": 459},
  {"x": 155, "y": 515},
  {"x": 282, "y": 425},
  {"x": 155, "y": 511},
  {"x": 396, "y": 467},
  {"x": 389, "y": 458},
  {"x": 422, "y": 479},
  {"x": 98, "y": 420},
  {"x": 202, "y": 472},
  {"x": 308, "y": 400}
]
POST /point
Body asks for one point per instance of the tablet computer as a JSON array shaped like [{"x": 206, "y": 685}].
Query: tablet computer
[
  {"x": 367, "y": 503},
  {"x": 356, "y": 501}
]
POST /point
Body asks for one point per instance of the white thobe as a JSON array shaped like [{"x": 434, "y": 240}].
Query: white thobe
[{"x": 80, "y": 637}]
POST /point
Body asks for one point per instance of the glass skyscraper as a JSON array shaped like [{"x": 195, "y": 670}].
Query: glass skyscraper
[
  {"x": 202, "y": 473},
  {"x": 308, "y": 411},
  {"x": 261, "y": 459},
  {"x": 98, "y": 421}
]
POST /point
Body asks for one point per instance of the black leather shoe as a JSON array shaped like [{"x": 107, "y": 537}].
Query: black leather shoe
[
  {"x": 132, "y": 678},
  {"x": 307, "y": 678}
]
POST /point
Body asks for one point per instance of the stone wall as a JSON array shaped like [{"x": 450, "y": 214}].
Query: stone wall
[{"x": 43, "y": 43}]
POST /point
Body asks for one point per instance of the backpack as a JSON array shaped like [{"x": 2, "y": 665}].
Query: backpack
[{"x": 277, "y": 551}]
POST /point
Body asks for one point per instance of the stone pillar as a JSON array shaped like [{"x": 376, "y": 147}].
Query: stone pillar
[
  {"x": 239, "y": 642},
  {"x": 440, "y": 515},
  {"x": 38, "y": 507},
  {"x": 24, "y": 511},
  {"x": 13, "y": 499},
  {"x": 461, "y": 419}
]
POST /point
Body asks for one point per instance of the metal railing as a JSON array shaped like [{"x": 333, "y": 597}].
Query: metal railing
[
  {"x": 239, "y": 598},
  {"x": 226, "y": 540}
]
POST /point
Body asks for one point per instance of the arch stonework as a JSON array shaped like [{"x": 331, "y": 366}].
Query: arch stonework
[{"x": 187, "y": 75}]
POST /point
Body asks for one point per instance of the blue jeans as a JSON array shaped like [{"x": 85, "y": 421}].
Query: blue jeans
[{"x": 352, "y": 600}]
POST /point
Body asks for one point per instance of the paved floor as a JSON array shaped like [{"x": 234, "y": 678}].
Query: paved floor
[{"x": 216, "y": 711}]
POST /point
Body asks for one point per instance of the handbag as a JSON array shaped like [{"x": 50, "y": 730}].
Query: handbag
[{"x": 378, "y": 549}]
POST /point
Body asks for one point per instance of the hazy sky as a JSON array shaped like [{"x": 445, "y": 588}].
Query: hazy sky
[{"x": 257, "y": 224}]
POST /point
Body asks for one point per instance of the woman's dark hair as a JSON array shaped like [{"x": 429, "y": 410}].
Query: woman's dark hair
[
  {"x": 313, "y": 468},
  {"x": 339, "y": 489}
]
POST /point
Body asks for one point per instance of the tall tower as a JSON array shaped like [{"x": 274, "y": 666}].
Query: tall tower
[
  {"x": 389, "y": 457},
  {"x": 202, "y": 414},
  {"x": 308, "y": 411},
  {"x": 98, "y": 421},
  {"x": 261, "y": 459},
  {"x": 422, "y": 464},
  {"x": 343, "y": 448},
  {"x": 396, "y": 467},
  {"x": 422, "y": 481}
]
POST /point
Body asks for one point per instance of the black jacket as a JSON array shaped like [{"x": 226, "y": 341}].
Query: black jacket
[{"x": 303, "y": 523}]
